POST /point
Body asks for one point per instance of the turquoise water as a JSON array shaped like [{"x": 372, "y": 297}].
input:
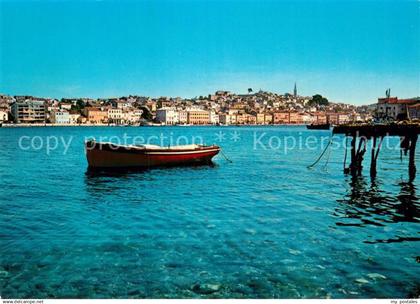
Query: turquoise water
[{"x": 263, "y": 226}]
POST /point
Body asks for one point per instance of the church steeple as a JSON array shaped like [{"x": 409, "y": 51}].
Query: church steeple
[{"x": 295, "y": 91}]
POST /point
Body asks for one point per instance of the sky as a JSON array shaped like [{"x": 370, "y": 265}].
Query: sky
[{"x": 348, "y": 51}]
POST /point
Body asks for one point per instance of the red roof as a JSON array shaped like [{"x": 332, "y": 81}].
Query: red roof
[
  {"x": 408, "y": 101},
  {"x": 395, "y": 100}
]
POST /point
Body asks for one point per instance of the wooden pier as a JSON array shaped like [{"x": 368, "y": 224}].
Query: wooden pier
[{"x": 407, "y": 131}]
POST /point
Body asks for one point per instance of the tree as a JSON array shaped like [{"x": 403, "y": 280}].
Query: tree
[
  {"x": 80, "y": 105},
  {"x": 249, "y": 90},
  {"x": 318, "y": 100}
]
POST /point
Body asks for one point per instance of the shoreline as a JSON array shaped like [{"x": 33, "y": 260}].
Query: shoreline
[{"x": 137, "y": 126}]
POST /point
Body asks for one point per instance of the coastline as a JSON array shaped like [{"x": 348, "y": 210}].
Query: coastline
[{"x": 151, "y": 125}]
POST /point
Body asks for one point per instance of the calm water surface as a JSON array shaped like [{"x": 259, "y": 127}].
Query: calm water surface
[{"x": 262, "y": 226}]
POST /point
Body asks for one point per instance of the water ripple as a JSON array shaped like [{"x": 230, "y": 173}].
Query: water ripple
[{"x": 263, "y": 226}]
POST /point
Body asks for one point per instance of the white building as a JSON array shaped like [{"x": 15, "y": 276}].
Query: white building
[
  {"x": 391, "y": 109},
  {"x": 121, "y": 104},
  {"x": 214, "y": 118},
  {"x": 167, "y": 116},
  {"x": 183, "y": 117},
  {"x": 307, "y": 118},
  {"x": 115, "y": 116},
  {"x": 65, "y": 106},
  {"x": 4, "y": 116},
  {"x": 343, "y": 118},
  {"x": 132, "y": 117},
  {"x": 60, "y": 117},
  {"x": 395, "y": 108}
]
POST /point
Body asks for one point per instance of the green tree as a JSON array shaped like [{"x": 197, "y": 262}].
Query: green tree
[
  {"x": 80, "y": 105},
  {"x": 318, "y": 100}
]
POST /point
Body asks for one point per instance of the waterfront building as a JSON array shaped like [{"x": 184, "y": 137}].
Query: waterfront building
[
  {"x": 115, "y": 115},
  {"x": 260, "y": 118},
  {"x": 281, "y": 118},
  {"x": 132, "y": 117},
  {"x": 358, "y": 118},
  {"x": 183, "y": 117},
  {"x": 28, "y": 111},
  {"x": 227, "y": 119},
  {"x": 307, "y": 118},
  {"x": 241, "y": 119},
  {"x": 251, "y": 119},
  {"x": 95, "y": 115},
  {"x": 214, "y": 118},
  {"x": 414, "y": 111},
  {"x": 392, "y": 107},
  {"x": 3, "y": 116},
  {"x": 268, "y": 119},
  {"x": 332, "y": 118},
  {"x": 338, "y": 118},
  {"x": 343, "y": 118},
  {"x": 198, "y": 117},
  {"x": 60, "y": 117},
  {"x": 320, "y": 118},
  {"x": 168, "y": 116},
  {"x": 297, "y": 118}
]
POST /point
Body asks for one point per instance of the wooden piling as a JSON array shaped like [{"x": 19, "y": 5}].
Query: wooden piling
[
  {"x": 412, "y": 156},
  {"x": 353, "y": 156},
  {"x": 408, "y": 130},
  {"x": 361, "y": 155},
  {"x": 373, "y": 159}
]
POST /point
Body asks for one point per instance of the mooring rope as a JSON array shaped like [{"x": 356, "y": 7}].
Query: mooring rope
[
  {"x": 322, "y": 154},
  {"x": 221, "y": 152},
  {"x": 328, "y": 160}
]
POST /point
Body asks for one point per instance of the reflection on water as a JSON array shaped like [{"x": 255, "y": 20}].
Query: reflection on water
[
  {"x": 121, "y": 172},
  {"x": 367, "y": 203},
  {"x": 107, "y": 180}
]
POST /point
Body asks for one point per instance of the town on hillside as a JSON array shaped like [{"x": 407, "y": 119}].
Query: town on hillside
[{"x": 220, "y": 108}]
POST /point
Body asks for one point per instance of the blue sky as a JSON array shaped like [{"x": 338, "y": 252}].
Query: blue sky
[{"x": 349, "y": 51}]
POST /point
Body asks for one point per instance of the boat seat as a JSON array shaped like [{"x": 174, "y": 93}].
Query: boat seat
[{"x": 184, "y": 147}]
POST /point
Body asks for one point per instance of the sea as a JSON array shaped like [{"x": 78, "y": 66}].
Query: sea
[{"x": 268, "y": 218}]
